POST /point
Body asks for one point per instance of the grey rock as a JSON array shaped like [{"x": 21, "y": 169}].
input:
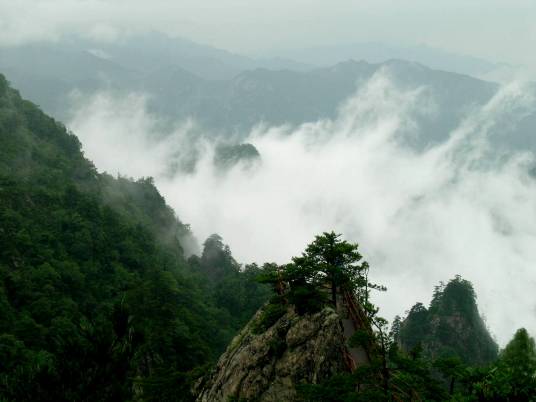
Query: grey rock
[{"x": 266, "y": 367}]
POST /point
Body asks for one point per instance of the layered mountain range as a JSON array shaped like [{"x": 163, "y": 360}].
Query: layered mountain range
[{"x": 228, "y": 94}]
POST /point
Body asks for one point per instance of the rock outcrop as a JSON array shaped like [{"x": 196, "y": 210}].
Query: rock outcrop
[{"x": 267, "y": 366}]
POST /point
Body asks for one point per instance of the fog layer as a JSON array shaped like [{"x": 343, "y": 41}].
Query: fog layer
[{"x": 420, "y": 217}]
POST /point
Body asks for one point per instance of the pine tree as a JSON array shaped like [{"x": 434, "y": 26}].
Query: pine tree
[{"x": 328, "y": 258}]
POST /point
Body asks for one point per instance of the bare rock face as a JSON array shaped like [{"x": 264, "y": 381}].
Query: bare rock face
[{"x": 266, "y": 367}]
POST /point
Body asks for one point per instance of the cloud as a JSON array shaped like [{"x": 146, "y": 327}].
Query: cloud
[
  {"x": 27, "y": 21},
  {"x": 505, "y": 29},
  {"x": 121, "y": 137},
  {"x": 420, "y": 217}
]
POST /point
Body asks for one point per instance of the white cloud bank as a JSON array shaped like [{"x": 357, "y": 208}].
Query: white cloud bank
[{"x": 420, "y": 217}]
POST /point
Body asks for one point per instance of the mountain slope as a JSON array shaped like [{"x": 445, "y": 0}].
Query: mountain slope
[
  {"x": 47, "y": 73},
  {"x": 97, "y": 299},
  {"x": 268, "y": 366},
  {"x": 381, "y": 52},
  {"x": 451, "y": 326}
]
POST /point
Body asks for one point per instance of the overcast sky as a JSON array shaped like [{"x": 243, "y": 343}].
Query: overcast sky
[{"x": 502, "y": 31}]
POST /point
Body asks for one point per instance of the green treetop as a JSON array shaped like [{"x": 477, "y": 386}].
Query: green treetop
[{"x": 332, "y": 260}]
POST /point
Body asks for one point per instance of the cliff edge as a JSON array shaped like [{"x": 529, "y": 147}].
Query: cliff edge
[{"x": 267, "y": 365}]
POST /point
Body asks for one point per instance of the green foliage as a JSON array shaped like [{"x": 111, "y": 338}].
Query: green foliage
[
  {"x": 234, "y": 398},
  {"x": 362, "y": 338},
  {"x": 452, "y": 370},
  {"x": 407, "y": 379},
  {"x": 327, "y": 266},
  {"x": 329, "y": 259},
  {"x": 233, "y": 289},
  {"x": 226, "y": 155},
  {"x": 417, "y": 374},
  {"x": 166, "y": 385},
  {"x": 3, "y": 85},
  {"x": 457, "y": 297},
  {"x": 270, "y": 314},
  {"x": 338, "y": 388},
  {"x": 451, "y": 326},
  {"x": 97, "y": 301},
  {"x": 520, "y": 354},
  {"x": 514, "y": 375},
  {"x": 306, "y": 297}
]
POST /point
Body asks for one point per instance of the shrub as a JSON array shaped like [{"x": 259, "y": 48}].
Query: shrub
[{"x": 269, "y": 316}]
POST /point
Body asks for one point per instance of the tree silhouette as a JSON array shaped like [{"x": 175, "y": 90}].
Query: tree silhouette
[{"x": 332, "y": 260}]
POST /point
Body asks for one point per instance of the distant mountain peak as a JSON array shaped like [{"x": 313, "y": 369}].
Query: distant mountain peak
[{"x": 451, "y": 326}]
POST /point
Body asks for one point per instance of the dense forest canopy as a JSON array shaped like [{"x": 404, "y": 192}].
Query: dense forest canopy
[
  {"x": 98, "y": 301},
  {"x": 451, "y": 325}
]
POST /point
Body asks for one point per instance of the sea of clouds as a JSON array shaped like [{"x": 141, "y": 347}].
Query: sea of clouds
[{"x": 419, "y": 216}]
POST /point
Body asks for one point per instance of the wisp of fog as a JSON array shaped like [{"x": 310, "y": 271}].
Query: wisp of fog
[{"x": 419, "y": 216}]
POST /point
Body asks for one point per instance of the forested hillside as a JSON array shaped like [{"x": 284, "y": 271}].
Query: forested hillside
[
  {"x": 97, "y": 298},
  {"x": 450, "y": 326}
]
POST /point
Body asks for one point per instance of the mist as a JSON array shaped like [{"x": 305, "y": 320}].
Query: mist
[
  {"x": 503, "y": 33},
  {"x": 420, "y": 217}
]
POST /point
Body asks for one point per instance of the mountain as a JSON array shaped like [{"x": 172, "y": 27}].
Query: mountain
[
  {"x": 47, "y": 73},
  {"x": 287, "y": 97},
  {"x": 268, "y": 366},
  {"x": 146, "y": 52},
  {"x": 380, "y": 52},
  {"x": 305, "y": 334},
  {"x": 98, "y": 298},
  {"x": 451, "y": 326},
  {"x": 239, "y": 92}
]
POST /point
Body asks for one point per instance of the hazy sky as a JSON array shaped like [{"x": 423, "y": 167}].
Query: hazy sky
[{"x": 496, "y": 30}]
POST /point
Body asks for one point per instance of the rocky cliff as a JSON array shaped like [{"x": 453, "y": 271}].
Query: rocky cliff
[{"x": 266, "y": 366}]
